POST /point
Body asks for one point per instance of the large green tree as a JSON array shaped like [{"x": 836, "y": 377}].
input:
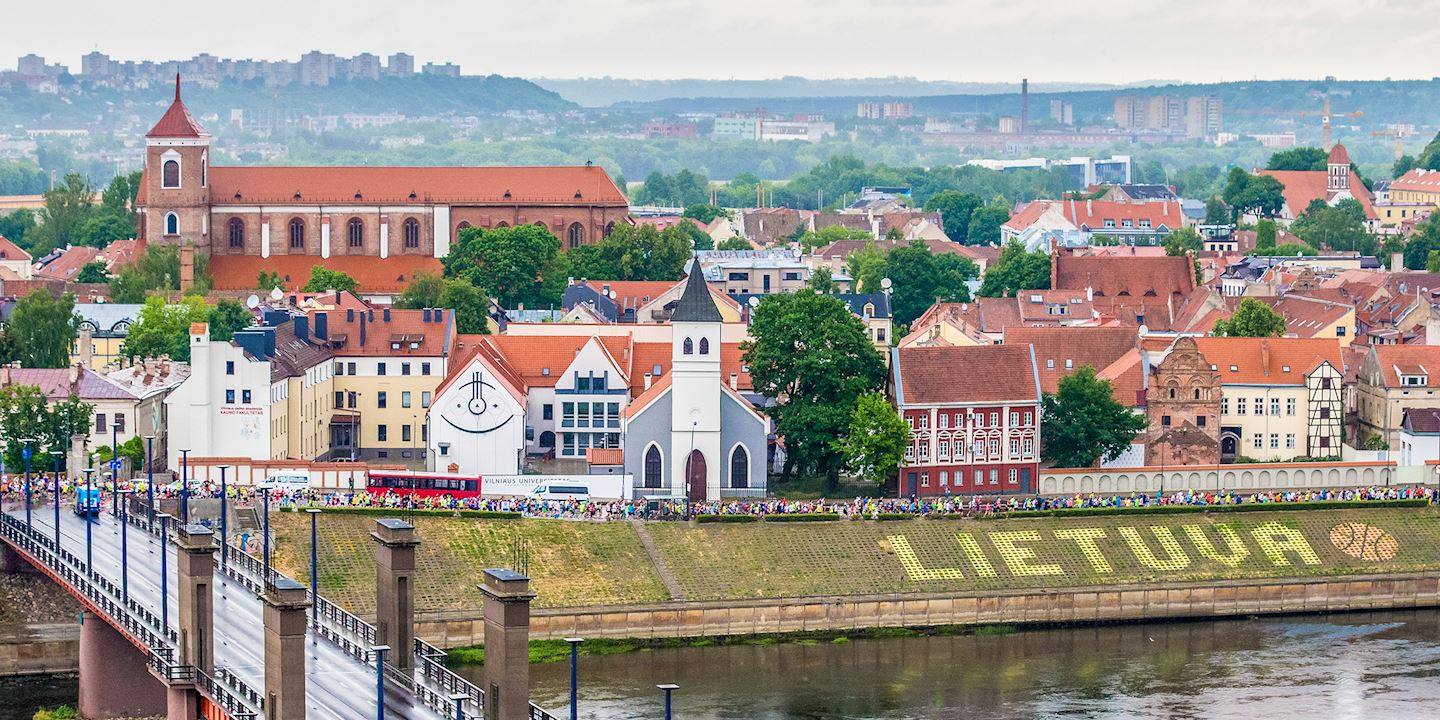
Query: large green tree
[
  {"x": 1183, "y": 240},
  {"x": 157, "y": 269},
  {"x": 1260, "y": 195},
  {"x": 955, "y": 209},
  {"x": 164, "y": 329},
  {"x": 985, "y": 224},
  {"x": 634, "y": 253},
  {"x": 41, "y": 330},
  {"x": 67, "y": 206},
  {"x": 920, "y": 278},
  {"x": 428, "y": 290},
  {"x": 15, "y": 226},
  {"x": 1336, "y": 228},
  {"x": 514, "y": 265},
  {"x": 1252, "y": 319},
  {"x": 226, "y": 317},
  {"x": 705, "y": 213},
  {"x": 25, "y": 412},
  {"x": 1016, "y": 270},
  {"x": 875, "y": 442},
  {"x": 1300, "y": 158},
  {"x": 812, "y": 357},
  {"x": 1083, "y": 423},
  {"x": 323, "y": 279}
]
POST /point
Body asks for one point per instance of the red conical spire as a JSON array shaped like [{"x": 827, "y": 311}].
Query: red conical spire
[
  {"x": 177, "y": 122},
  {"x": 177, "y": 87}
]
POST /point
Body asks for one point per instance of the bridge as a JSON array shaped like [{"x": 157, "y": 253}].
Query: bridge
[{"x": 176, "y": 631}]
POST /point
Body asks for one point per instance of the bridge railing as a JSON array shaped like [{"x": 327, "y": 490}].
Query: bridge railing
[
  {"x": 232, "y": 695},
  {"x": 436, "y": 684}
]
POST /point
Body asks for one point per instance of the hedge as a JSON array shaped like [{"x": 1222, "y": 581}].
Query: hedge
[
  {"x": 1245, "y": 507},
  {"x": 713, "y": 518},
  {"x": 888, "y": 517},
  {"x": 401, "y": 512},
  {"x": 802, "y": 517}
]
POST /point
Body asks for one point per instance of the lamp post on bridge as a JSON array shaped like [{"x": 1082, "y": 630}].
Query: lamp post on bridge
[
  {"x": 57, "y": 454},
  {"x": 459, "y": 700},
  {"x": 380, "y": 651},
  {"x": 25, "y": 453},
  {"x": 115, "y": 425},
  {"x": 574, "y": 676},
  {"x": 314, "y": 514},
  {"x": 150, "y": 482},
  {"x": 89, "y": 526},
  {"x": 165, "y": 576},
  {"x": 265, "y": 502},
  {"x": 124, "y": 546},
  {"x": 224, "y": 517},
  {"x": 185, "y": 486}
]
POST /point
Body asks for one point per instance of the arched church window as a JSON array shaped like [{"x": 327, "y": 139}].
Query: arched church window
[
  {"x": 739, "y": 467},
  {"x": 172, "y": 224},
  {"x": 688, "y": 347},
  {"x": 412, "y": 233},
  {"x": 170, "y": 174},
  {"x": 297, "y": 233},
  {"x": 576, "y": 234},
  {"x": 652, "y": 467},
  {"x": 355, "y": 233},
  {"x": 237, "y": 233},
  {"x": 704, "y": 346}
]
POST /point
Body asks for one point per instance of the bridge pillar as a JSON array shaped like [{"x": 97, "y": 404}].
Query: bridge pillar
[
  {"x": 182, "y": 701},
  {"x": 395, "y": 589},
  {"x": 507, "y": 644},
  {"x": 285, "y": 623},
  {"x": 115, "y": 679},
  {"x": 195, "y": 550},
  {"x": 11, "y": 562}
]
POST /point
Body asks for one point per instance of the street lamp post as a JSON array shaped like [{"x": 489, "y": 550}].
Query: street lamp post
[
  {"x": 224, "y": 517},
  {"x": 667, "y": 689},
  {"x": 265, "y": 500},
  {"x": 89, "y": 526},
  {"x": 185, "y": 486},
  {"x": 164, "y": 576},
  {"x": 25, "y": 453},
  {"x": 380, "y": 651},
  {"x": 314, "y": 567},
  {"x": 150, "y": 482},
  {"x": 57, "y": 455},
  {"x": 124, "y": 548},
  {"x": 574, "y": 676}
]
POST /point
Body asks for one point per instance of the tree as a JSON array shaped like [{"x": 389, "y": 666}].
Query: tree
[
  {"x": 866, "y": 268},
  {"x": 1252, "y": 319},
  {"x": 810, "y": 240},
  {"x": 875, "y": 443},
  {"x": 634, "y": 253},
  {"x": 985, "y": 224},
  {"x": 472, "y": 308},
  {"x": 822, "y": 281},
  {"x": 17, "y": 225},
  {"x": 423, "y": 291},
  {"x": 1405, "y": 164},
  {"x": 955, "y": 209},
  {"x": 164, "y": 329},
  {"x": 133, "y": 449},
  {"x": 1183, "y": 240},
  {"x": 1254, "y": 194},
  {"x": 1265, "y": 233},
  {"x": 1015, "y": 270},
  {"x": 323, "y": 279},
  {"x": 734, "y": 242},
  {"x": 705, "y": 213},
  {"x": 1300, "y": 158},
  {"x": 515, "y": 265},
  {"x": 921, "y": 278},
  {"x": 699, "y": 239},
  {"x": 810, "y": 355},
  {"x": 67, "y": 205},
  {"x": 269, "y": 280},
  {"x": 226, "y": 317},
  {"x": 1336, "y": 228},
  {"x": 1084, "y": 424},
  {"x": 1216, "y": 213},
  {"x": 41, "y": 330},
  {"x": 93, "y": 272},
  {"x": 101, "y": 229},
  {"x": 158, "y": 268}
]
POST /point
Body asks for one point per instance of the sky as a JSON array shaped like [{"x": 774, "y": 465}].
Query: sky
[{"x": 967, "y": 41}]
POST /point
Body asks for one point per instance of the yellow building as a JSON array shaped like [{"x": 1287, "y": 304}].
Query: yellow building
[
  {"x": 1280, "y": 398},
  {"x": 1417, "y": 186},
  {"x": 102, "y": 332}
]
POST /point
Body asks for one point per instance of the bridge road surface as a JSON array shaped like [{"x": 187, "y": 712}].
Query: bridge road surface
[{"x": 337, "y": 686}]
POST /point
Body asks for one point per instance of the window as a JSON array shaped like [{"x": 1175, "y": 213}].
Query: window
[
  {"x": 382, "y": 432},
  {"x": 1028, "y": 418},
  {"x": 404, "y": 433},
  {"x": 1014, "y": 476},
  {"x": 924, "y": 422},
  {"x": 170, "y": 174},
  {"x": 1109, "y": 223},
  {"x": 994, "y": 477},
  {"x": 652, "y": 467},
  {"x": 924, "y": 479},
  {"x": 412, "y": 233},
  {"x": 979, "y": 477},
  {"x": 688, "y": 347},
  {"x": 405, "y": 399},
  {"x": 424, "y": 368},
  {"x": 547, "y": 412},
  {"x": 351, "y": 397},
  {"x": 1274, "y": 441},
  {"x": 1164, "y": 421},
  {"x": 1275, "y": 406},
  {"x": 909, "y": 452},
  {"x": 245, "y": 397},
  {"x": 1239, "y": 406},
  {"x": 404, "y": 368},
  {"x": 100, "y": 426},
  {"x": 355, "y": 233},
  {"x": 1014, "y": 447},
  {"x": 297, "y": 233},
  {"x": 994, "y": 419},
  {"x": 739, "y": 468},
  {"x": 1200, "y": 420},
  {"x": 942, "y": 450},
  {"x": 172, "y": 224},
  {"x": 704, "y": 346},
  {"x": 576, "y": 235},
  {"x": 230, "y": 396},
  {"x": 229, "y": 367},
  {"x": 380, "y": 368},
  {"x": 1029, "y": 446},
  {"x": 1324, "y": 383},
  {"x": 237, "y": 233},
  {"x": 1290, "y": 441},
  {"x": 880, "y": 334},
  {"x": 995, "y": 447},
  {"x": 380, "y": 399},
  {"x": 424, "y": 398},
  {"x": 1258, "y": 441},
  {"x": 1260, "y": 406},
  {"x": 1340, "y": 331},
  {"x": 1325, "y": 413},
  {"x": 924, "y": 451},
  {"x": 1289, "y": 406},
  {"x": 339, "y": 399},
  {"x": 944, "y": 479},
  {"x": 1014, "y": 418},
  {"x": 1224, "y": 406}
]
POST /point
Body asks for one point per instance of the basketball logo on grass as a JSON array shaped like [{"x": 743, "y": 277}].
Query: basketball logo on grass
[{"x": 1364, "y": 542}]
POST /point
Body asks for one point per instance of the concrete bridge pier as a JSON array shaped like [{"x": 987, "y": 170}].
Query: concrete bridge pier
[
  {"x": 395, "y": 589},
  {"x": 285, "y": 623},
  {"x": 195, "y": 551},
  {"x": 11, "y": 562},
  {"x": 507, "y": 644},
  {"x": 115, "y": 679}
]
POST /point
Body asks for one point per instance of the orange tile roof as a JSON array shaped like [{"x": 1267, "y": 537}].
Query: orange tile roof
[
  {"x": 1093, "y": 213},
  {"x": 1304, "y": 186},
  {"x": 946, "y": 375},
  {"x": 177, "y": 122},
  {"x": 1060, "y": 351},
  {"x": 68, "y": 265},
  {"x": 435, "y": 338},
  {"x": 605, "y": 456},
  {"x": 390, "y": 275},
  {"x": 582, "y": 185},
  {"x": 644, "y": 399},
  {"x": 1417, "y": 180},
  {"x": 1113, "y": 276},
  {"x": 1268, "y": 361},
  {"x": 1027, "y": 215},
  {"x": 11, "y": 251},
  {"x": 1395, "y": 360}
]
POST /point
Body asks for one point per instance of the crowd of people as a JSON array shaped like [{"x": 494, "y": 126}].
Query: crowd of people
[{"x": 12, "y": 489}]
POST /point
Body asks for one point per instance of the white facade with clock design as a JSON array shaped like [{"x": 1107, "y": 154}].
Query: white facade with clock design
[{"x": 477, "y": 422}]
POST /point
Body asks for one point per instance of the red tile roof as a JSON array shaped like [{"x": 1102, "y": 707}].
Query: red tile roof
[
  {"x": 1422, "y": 420},
  {"x": 952, "y": 375},
  {"x": 1305, "y": 186},
  {"x": 1027, "y": 215},
  {"x": 1338, "y": 156},
  {"x": 1092, "y": 214},
  {"x": 177, "y": 122},
  {"x": 583, "y": 185},
  {"x": 1417, "y": 180},
  {"x": 11, "y": 251},
  {"x": 1268, "y": 361},
  {"x": 391, "y": 275},
  {"x": 68, "y": 265},
  {"x": 1114, "y": 276},
  {"x": 1060, "y": 351},
  {"x": 434, "y": 338},
  {"x": 1395, "y": 360}
]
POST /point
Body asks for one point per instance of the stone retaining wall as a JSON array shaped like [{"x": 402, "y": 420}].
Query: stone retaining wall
[
  {"x": 40, "y": 650},
  {"x": 1119, "y": 603}
]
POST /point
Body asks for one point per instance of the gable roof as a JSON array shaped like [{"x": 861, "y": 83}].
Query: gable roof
[
  {"x": 1092, "y": 214},
  {"x": 56, "y": 385},
  {"x": 177, "y": 121},
  {"x": 950, "y": 374},
  {"x": 578, "y": 185},
  {"x": 1305, "y": 186},
  {"x": 1396, "y": 360},
  {"x": 1060, "y": 351},
  {"x": 10, "y": 251},
  {"x": 1268, "y": 361},
  {"x": 1117, "y": 276},
  {"x": 1422, "y": 420},
  {"x": 1418, "y": 180},
  {"x": 384, "y": 326}
]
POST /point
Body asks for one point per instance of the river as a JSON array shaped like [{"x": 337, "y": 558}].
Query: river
[{"x": 1372, "y": 665}]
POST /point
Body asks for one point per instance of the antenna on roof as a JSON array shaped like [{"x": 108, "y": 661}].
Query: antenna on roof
[
  {"x": 253, "y": 301},
  {"x": 177, "y": 87}
]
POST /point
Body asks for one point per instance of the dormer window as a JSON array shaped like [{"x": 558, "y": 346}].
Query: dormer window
[
  {"x": 1126, "y": 223},
  {"x": 1413, "y": 380},
  {"x": 1109, "y": 223},
  {"x": 1144, "y": 222}
]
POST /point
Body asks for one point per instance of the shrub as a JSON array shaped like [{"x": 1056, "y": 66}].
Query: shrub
[
  {"x": 713, "y": 518},
  {"x": 1246, "y": 507},
  {"x": 888, "y": 517},
  {"x": 802, "y": 517}
]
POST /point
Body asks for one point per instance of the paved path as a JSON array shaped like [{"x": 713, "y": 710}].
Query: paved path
[{"x": 672, "y": 585}]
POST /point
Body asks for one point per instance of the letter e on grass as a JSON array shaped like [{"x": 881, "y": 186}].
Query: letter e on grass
[{"x": 1019, "y": 558}]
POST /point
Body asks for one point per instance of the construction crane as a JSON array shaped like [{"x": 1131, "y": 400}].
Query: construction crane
[
  {"x": 1398, "y": 133},
  {"x": 1325, "y": 115}
]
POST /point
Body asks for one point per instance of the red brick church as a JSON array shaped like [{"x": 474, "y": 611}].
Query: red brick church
[{"x": 379, "y": 224}]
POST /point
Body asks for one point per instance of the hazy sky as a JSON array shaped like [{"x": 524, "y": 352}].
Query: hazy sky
[{"x": 971, "y": 40}]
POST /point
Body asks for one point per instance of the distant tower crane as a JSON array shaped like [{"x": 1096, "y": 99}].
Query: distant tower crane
[
  {"x": 1325, "y": 115},
  {"x": 1397, "y": 132}
]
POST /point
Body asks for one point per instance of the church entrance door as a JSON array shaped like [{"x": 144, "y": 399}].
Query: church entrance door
[{"x": 695, "y": 476}]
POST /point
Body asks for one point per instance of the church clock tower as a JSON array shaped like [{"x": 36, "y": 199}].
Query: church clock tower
[
  {"x": 174, "y": 198},
  {"x": 695, "y": 457}
]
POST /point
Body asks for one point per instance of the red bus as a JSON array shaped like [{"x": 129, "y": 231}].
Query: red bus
[{"x": 422, "y": 484}]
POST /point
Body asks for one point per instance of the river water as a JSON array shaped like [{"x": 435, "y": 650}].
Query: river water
[{"x": 1373, "y": 665}]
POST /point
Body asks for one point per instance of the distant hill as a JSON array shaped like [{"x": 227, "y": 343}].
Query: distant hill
[{"x": 605, "y": 91}]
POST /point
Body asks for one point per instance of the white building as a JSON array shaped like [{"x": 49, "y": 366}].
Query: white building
[
  {"x": 477, "y": 421},
  {"x": 226, "y": 407}
]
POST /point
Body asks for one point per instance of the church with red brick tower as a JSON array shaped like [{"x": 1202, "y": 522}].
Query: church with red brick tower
[{"x": 378, "y": 224}]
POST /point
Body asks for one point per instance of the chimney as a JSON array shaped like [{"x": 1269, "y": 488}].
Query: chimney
[
  {"x": 1024, "y": 104},
  {"x": 302, "y": 328},
  {"x": 1397, "y": 262},
  {"x": 85, "y": 343},
  {"x": 734, "y": 381},
  {"x": 187, "y": 267},
  {"x": 74, "y": 374},
  {"x": 1089, "y": 206},
  {"x": 322, "y": 326},
  {"x": 648, "y": 378},
  {"x": 5, "y": 376},
  {"x": 362, "y": 329},
  {"x": 1265, "y": 357}
]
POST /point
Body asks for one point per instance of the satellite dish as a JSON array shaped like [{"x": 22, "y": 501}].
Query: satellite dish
[
  {"x": 276, "y": 294},
  {"x": 885, "y": 283},
  {"x": 799, "y": 253},
  {"x": 613, "y": 294},
  {"x": 754, "y": 301},
  {"x": 252, "y": 302}
]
